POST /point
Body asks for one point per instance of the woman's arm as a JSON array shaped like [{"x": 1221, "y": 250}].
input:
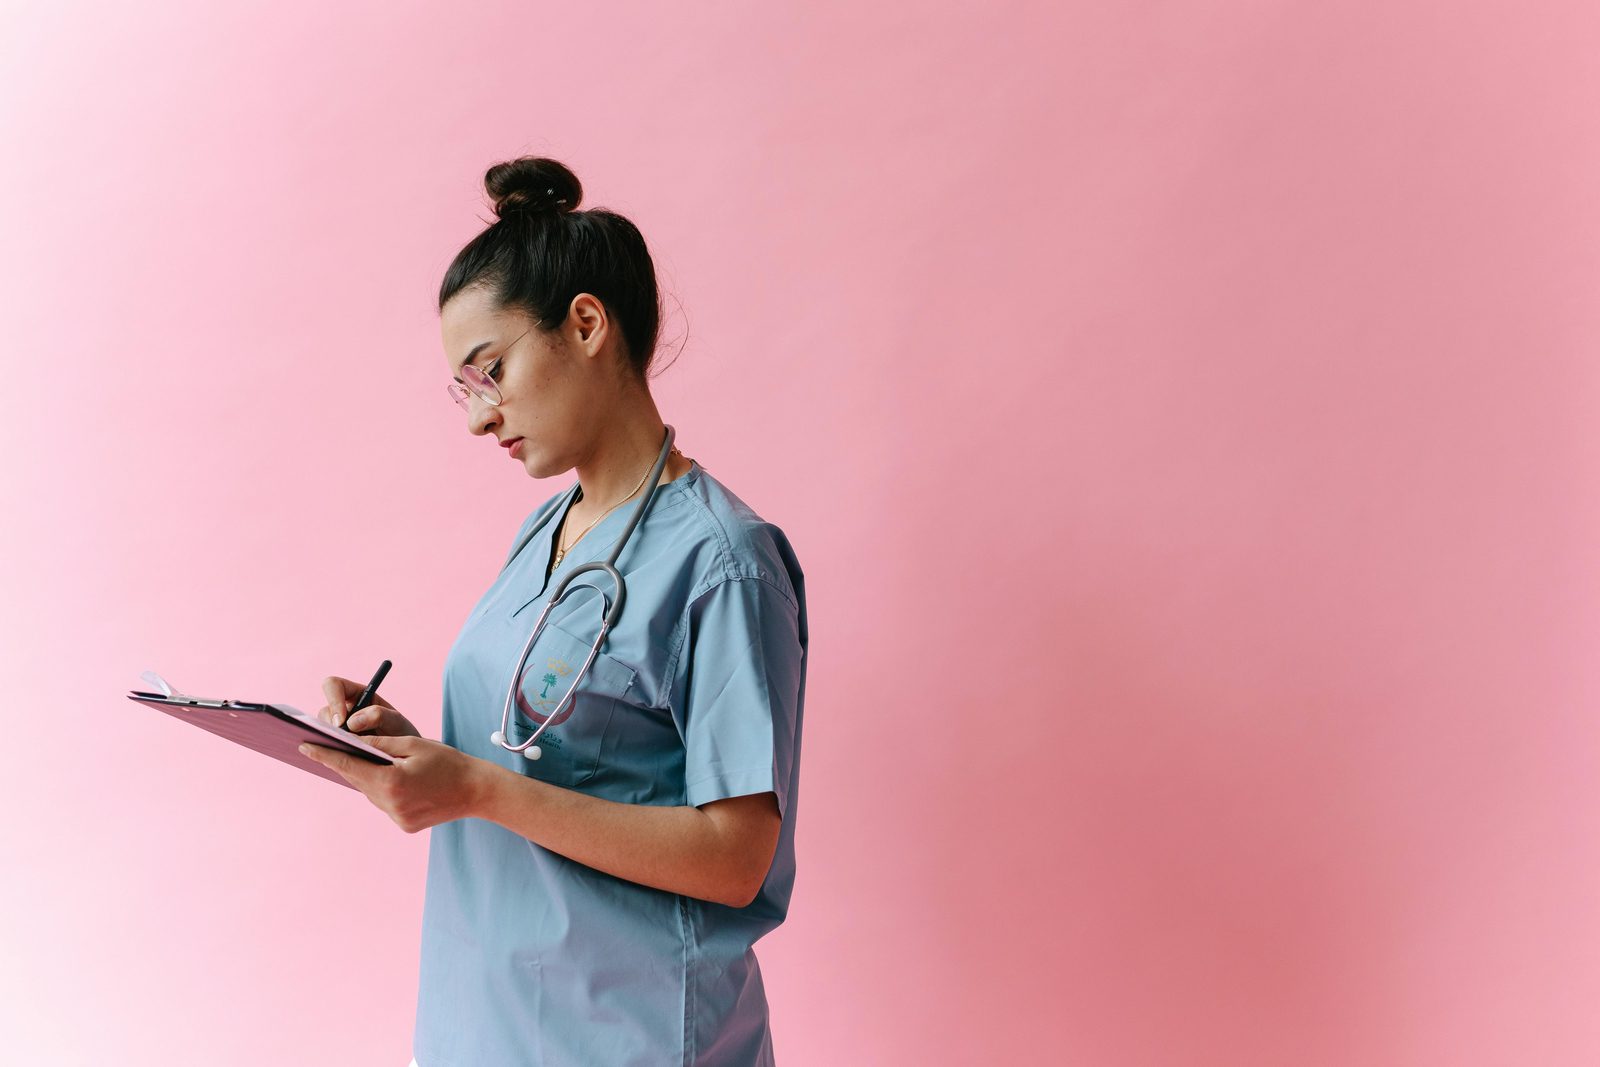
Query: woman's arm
[{"x": 720, "y": 851}]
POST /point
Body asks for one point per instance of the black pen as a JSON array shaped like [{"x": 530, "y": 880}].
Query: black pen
[{"x": 366, "y": 694}]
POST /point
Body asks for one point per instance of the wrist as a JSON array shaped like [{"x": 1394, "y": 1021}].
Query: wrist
[{"x": 484, "y": 780}]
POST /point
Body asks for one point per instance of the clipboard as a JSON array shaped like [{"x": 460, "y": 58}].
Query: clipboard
[{"x": 276, "y": 730}]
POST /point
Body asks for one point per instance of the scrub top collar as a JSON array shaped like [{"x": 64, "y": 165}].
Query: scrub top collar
[{"x": 598, "y": 541}]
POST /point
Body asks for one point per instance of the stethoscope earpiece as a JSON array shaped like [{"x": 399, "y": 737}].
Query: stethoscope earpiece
[{"x": 533, "y": 752}]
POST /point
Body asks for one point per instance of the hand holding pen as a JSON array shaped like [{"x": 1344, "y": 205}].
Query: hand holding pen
[{"x": 361, "y": 710}]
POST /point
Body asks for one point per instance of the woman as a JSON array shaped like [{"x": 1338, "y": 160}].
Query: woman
[{"x": 596, "y": 905}]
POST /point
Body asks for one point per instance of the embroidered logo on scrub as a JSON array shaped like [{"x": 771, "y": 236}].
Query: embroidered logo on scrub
[{"x": 555, "y": 687}]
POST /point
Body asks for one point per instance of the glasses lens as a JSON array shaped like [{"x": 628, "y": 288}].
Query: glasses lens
[
  {"x": 458, "y": 393},
  {"x": 481, "y": 384}
]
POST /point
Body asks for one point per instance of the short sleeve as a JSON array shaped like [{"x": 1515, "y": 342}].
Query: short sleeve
[{"x": 737, "y": 691}]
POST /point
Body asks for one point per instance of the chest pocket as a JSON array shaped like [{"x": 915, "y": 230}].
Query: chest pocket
[{"x": 575, "y": 738}]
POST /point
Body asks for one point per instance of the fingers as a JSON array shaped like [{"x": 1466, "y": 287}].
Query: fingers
[
  {"x": 380, "y": 716},
  {"x": 399, "y": 745},
  {"x": 326, "y": 756},
  {"x": 368, "y": 718},
  {"x": 341, "y": 694},
  {"x": 338, "y": 706}
]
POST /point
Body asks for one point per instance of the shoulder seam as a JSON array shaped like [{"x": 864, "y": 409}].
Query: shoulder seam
[
  {"x": 682, "y": 630},
  {"x": 724, "y": 546}
]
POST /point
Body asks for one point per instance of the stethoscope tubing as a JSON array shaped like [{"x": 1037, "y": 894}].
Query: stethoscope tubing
[{"x": 613, "y": 610}]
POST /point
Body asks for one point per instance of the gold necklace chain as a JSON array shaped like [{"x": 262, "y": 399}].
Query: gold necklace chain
[{"x": 563, "y": 550}]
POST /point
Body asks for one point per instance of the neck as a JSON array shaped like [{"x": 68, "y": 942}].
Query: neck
[{"x": 623, "y": 454}]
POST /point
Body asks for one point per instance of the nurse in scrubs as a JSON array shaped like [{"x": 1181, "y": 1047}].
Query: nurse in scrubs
[{"x": 596, "y": 906}]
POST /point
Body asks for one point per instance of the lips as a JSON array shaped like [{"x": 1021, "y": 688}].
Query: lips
[{"x": 514, "y": 446}]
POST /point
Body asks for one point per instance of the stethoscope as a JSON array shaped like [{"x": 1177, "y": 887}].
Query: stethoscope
[{"x": 613, "y": 609}]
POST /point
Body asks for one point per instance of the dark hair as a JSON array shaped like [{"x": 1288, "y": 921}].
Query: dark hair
[{"x": 541, "y": 251}]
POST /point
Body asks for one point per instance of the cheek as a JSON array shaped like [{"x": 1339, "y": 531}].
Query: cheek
[
  {"x": 533, "y": 386},
  {"x": 551, "y": 399}
]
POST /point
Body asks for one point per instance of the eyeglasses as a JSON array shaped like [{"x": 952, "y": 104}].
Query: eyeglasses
[{"x": 478, "y": 383}]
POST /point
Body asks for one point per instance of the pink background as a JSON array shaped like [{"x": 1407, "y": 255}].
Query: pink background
[{"x": 1185, "y": 416}]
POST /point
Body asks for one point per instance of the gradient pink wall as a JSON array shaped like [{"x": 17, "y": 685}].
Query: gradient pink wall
[{"x": 1185, "y": 415}]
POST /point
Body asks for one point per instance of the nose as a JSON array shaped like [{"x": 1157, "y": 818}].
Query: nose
[{"x": 480, "y": 415}]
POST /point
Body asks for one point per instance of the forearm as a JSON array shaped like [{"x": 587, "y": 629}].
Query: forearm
[{"x": 677, "y": 849}]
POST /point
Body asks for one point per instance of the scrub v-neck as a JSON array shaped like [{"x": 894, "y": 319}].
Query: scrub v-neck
[
  {"x": 555, "y": 535},
  {"x": 588, "y": 536}
]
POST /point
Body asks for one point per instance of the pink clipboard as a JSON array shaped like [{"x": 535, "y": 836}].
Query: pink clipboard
[{"x": 275, "y": 730}]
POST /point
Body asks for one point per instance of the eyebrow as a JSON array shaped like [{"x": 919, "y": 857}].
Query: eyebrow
[{"x": 474, "y": 354}]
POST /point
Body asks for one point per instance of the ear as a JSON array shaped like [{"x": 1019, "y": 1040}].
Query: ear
[{"x": 589, "y": 322}]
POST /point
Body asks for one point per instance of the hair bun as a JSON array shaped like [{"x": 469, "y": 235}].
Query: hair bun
[{"x": 532, "y": 185}]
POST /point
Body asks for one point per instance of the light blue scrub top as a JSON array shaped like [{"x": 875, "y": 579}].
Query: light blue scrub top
[{"x": 696, "y": 695}]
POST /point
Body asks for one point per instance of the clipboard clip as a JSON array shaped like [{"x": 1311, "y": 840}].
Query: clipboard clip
[{"x": 166, "y": 689}]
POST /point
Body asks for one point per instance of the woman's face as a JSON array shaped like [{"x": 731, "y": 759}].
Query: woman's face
[{"x": 544, "y": 380}]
